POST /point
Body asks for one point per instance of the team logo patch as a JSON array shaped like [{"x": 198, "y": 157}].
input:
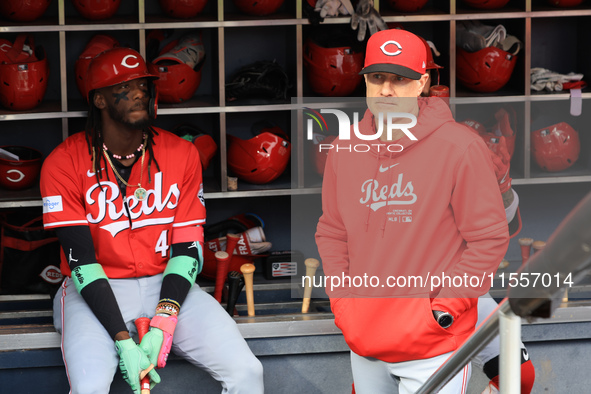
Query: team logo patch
[
  {"x": 391, "y": 51},
  {"x": 284, "y": 269},
  {"x": 52, "y": 204},
  {"x": 51, "y": 274}
]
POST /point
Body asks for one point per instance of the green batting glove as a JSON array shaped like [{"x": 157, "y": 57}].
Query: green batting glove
[
  {"x": 152, "y": 343},
  {"x": 157, "y": 342},
  {"x": 132, "y": 361}
]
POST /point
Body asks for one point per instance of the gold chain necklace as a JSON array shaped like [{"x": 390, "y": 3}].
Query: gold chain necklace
[{"x": 140, "y": 193}]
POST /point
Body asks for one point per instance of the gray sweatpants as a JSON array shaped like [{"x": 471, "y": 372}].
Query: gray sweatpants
[{"x": 205, "y": 335}]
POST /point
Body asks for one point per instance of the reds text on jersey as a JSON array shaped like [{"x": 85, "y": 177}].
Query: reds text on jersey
[{"x": 131, "y": 237}]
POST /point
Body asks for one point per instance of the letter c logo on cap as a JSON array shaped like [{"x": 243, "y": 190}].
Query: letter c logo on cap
[
  {"x": 388, "y": 53},
  {"x": 125, "y": 64}
]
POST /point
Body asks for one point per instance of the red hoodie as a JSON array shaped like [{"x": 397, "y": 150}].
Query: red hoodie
[{"x": 434, "y": 208}]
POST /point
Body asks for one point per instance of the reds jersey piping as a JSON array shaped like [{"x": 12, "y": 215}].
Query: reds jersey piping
[{"x": 130, "y": 244}]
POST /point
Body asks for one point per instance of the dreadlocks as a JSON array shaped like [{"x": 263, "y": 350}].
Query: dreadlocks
[{"x": 94, "y": 140}]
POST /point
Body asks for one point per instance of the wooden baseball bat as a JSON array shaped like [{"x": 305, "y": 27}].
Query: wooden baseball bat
[
  {"x": 235, "y": 285},
  {"x": 231, "y": 242},
  {"x": 311, "y": 266},
  {"x": 143, "y": 325},
  {"x": 538, "y": 245},
  {"x": 222, "y": 260},
  {"x": 248, "y": 270},
  {"x": 525, "y": 245}
]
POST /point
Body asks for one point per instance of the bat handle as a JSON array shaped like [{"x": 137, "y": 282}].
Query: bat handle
[
  {"x": 538, "y": 245},
  {"x": 525, "y": 245},
  {"x": 311, "y": 266},
  {"x": 143, "y": 325},
  {"x": 247, "y": 271},
  {"x": 222, "y": 259},
  {"x": 235, "y": 285},
  {"x": 231, "y": 242},
  {"x": 223, "y": 264}
]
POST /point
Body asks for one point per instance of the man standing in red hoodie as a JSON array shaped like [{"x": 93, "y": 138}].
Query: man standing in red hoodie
[{"x": 413, "y": 228}]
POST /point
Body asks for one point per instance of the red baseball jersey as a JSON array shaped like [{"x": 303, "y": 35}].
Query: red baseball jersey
[{"x": 131, "y": 238}]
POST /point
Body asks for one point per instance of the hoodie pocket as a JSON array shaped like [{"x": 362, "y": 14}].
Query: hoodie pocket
[
  {"x": 457, "y": 328},
  {"x": 392, "y": 329}
]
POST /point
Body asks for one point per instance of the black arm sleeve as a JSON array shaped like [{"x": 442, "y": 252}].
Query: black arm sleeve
[
  {"x": 175, "y": 287},
  {"x": 77, "y": 244}
]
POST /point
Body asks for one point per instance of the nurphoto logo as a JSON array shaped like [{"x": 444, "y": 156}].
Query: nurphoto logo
[{"x": 344, "y": 125}]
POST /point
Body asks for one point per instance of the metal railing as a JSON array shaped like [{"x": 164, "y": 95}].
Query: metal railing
[{"x": 567, "y": 254}]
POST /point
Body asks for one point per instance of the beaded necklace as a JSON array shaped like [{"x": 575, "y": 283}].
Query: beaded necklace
[
  {"x": 131, "y": 155},
  {"x": 140, "y": 193}
]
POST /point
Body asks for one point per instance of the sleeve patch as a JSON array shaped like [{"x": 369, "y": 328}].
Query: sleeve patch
[{"x": 52, "y": 204}]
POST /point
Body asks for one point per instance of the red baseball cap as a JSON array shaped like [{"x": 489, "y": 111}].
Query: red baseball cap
[{"x": 396, "y": 51}]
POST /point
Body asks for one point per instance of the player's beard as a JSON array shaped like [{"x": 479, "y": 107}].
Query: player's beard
[{"x": 120, "y": 116}]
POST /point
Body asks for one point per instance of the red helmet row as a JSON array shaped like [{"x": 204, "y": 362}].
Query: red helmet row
[
  {"x": 96, "y": 45},
  {"x": 183, "y": 9},
  {"x": 556, "y": 148},
  {"x": 486, "y": 70},
  {"x": 260, "y": 159},
  {"x": 23, "y": 10},
  {"x": 486, "y": 4},
  {"x": 258, "y": 7},
  {"x": 97, "y": 9},
  {"x": 495, "y": 4},
  {"x": 23, "y": 73},
  {"x": 19, "y": 167},
  {"x": 179, "y": 68},
  {"x": 332, "y": 67},
  {"x": 205, "y": 144},
  {"x": 485, "y": 56},
  {"x": 564, "y": 3},
  {"x": 407, "y": 5},
  {"x": 29, "y": 10}
]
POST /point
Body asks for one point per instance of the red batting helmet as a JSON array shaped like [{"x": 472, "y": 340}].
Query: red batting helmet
[
  {"x": 486, "y": 70},
  {"x": 97, "y": 9},
  {"x": 258, "y": 7},
  {"x": 565, "y": 3},
  {"x": 407, "y": 5},
  {"x": 476, "y": 125},
  {"x": 204, "y": 143},
  {"x": 262, "y": 158},
  {"x": 557, "y": 147},
  {"x": 179, "y": 69},
  {"x": 333, "y": 71},
  {"x": 23, "y": 73},
  {"x": 183, "y": 9},
  {"x": 430, "y": 61},
  {"x": 22, "y": 173},
  {"x": 493, "y": 141},
  {"x": 23, "y": 10},
  {"x": 119, "y": 65},
  {"x": 96, "y": 45},
  {"x": 486, "y": 4}
]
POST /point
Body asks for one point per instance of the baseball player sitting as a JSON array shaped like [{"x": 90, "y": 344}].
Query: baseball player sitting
[
  {"x": 126, "y": 201},
  {"x": 421, "y": 202}
]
